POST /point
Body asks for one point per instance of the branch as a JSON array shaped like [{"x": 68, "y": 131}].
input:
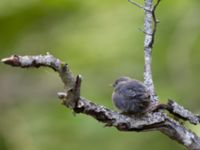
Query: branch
[
  {"x": 136, "y": 4},
  {"x": 149, "y": 21},
  {"x": 150, "y": 26},
  {"x": 182, "y": 113},
  {"x": 179, "y": 133},
  {"x": 71, "y": 98},
  {"x": 179, "y": 111},
  {"x": 111, "y": 118},
  {"x": 46, "y": 61}
]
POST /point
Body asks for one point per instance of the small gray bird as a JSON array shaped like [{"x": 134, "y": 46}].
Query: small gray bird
[{"x": 130, "y": 96}]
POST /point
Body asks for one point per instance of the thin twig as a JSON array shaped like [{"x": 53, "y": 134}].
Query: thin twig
[
  {"x": 155, "y": 22},
  {"x": 138, "y": 5}
]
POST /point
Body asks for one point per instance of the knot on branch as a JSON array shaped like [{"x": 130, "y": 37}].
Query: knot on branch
[{"x": 72, "y": 96}]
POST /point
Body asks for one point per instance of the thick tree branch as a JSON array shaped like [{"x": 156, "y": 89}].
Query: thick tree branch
[
  {"x": 71, "y": 98},
  {"x": 179, "y": 133},
  {"x": 182, "y": 113},
  {"x": 179, "y": 111},
  {"x": 111, "y": 118},
  {"x": 150, "y": 24},
  {"x": 43, "y": 60}
]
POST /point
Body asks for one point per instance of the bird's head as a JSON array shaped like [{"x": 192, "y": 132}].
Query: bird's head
[{"x": 120, "y": 80}]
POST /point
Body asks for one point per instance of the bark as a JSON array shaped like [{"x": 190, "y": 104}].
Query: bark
[{"x": 155, "y": 120}]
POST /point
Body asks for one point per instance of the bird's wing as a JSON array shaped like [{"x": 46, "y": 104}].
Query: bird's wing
[{"x": 133, "y": 91}]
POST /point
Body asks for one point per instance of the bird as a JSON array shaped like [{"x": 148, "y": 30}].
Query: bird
[{"x": 130, "y": 96}]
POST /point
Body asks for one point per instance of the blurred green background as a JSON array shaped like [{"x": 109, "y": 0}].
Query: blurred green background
[{"x": 100, "y": 40}]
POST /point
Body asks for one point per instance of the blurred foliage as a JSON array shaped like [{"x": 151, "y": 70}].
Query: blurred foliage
[{"x": 100, "y": 40}]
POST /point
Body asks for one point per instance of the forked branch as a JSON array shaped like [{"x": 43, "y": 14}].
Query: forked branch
[{"x": 71, "y": 98}]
